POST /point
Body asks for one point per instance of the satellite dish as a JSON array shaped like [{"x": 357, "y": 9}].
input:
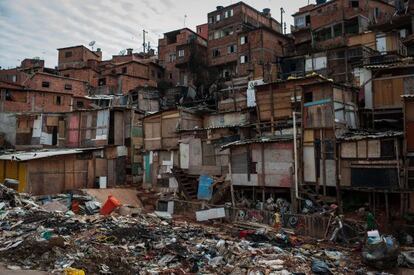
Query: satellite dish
[
  {"x": 92, "y": 43},
  {"x": 122, "y": 52}
]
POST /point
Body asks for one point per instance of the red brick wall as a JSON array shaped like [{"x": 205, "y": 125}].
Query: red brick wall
[
  {"x": 334, "y": 11},
  {"x": 85, "y": 74},
  {"x": 36, "y": 101},
  {"x": 80, "y": 55},
  {"x": 56, "y": 84},
  {"x": 202, "y": 30}
]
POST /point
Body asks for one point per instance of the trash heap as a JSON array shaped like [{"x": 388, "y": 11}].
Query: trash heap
[{"x": 33, "y": 237}]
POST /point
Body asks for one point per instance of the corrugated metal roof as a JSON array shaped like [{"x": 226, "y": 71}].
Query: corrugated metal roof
[
  {"x": 23, "y": 156},
  {"x": 360, "y": 135},
  {"x": 258, "y": 140}
]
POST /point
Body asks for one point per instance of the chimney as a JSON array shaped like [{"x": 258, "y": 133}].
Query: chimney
[{"x": 129, "y": 51}]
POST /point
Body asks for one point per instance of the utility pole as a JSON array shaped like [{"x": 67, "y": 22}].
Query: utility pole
[
  {"x": 282, "y": 11},
  {"x": 143, "y": 37},
  {"x": 185, "y": 19}
]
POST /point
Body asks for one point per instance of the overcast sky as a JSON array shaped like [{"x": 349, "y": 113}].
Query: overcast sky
[{"x": 36, "y": 28}]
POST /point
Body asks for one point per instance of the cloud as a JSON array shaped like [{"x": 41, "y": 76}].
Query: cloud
[{"x": 32, "y": 28}]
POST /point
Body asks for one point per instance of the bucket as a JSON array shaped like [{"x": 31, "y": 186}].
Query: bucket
[{"x": 110, "y": 205}]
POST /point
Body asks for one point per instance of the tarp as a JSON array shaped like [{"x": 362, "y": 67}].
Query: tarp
[{"x": 205, "y": 191}]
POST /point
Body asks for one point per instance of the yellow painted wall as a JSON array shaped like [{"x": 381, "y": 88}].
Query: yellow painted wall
[{"x": 14, "y": 170}]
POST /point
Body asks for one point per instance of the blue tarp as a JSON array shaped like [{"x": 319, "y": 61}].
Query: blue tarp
[{"x": 204, "y": 190}]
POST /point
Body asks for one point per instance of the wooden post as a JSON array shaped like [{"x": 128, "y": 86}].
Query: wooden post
[
  {"x": 387, "y": 210},
  {"x": 272, "y": 109}
]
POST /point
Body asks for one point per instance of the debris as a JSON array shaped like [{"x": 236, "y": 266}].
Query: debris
[
  {"x": 214, "y": 213},
  {"x": 381, "y": 254},
  {"x": 320, "y": 267},
  {"x": 55, "y": 206},
  {"x": 110, "y": 205}
]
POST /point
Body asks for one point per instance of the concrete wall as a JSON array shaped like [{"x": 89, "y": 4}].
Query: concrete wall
[{"x": 8, "y": 127}]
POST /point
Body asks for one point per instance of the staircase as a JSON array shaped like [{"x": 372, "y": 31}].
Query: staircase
[
  {"x": 188, "y": 184},
  {"x": 318, "y": 199}
]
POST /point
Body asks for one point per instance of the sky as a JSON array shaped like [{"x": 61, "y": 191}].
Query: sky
[{"x": 36, "y": 28}]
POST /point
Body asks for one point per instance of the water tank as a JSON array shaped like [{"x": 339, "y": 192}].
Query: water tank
[
  {"x": 266, "y": 11},
  {"x": 219, "y": 8}
]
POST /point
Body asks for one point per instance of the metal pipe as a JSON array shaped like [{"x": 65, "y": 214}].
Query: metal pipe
[{"x": 295, "y": 150}]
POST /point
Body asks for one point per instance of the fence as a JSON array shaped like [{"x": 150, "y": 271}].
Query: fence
[{"x": 313, "y": 225}]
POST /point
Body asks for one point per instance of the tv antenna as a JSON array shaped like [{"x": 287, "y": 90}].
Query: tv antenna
[
  {"x": 92, "y": 43},
  {"x": 185, "y": 19},
  {"x": 122, "y": 52},
  {"x": 143, "y": 37}
]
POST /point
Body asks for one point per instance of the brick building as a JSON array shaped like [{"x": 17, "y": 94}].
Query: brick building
[
  {"x": 243, "y": 40},
  {"x": 175, "y": 52},
  {"x": 329, "y": 24}
]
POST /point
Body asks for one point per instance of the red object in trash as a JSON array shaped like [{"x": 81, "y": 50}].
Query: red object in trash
[
  {"x": 244, "y": 233},
  {"x": 110, "y": 205},
  {"x": 75, "y": 207}
]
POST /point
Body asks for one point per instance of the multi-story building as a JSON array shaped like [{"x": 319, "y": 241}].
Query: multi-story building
[
  {"x": 244, "y": 42},
  {"x": 183, "y": 55}
]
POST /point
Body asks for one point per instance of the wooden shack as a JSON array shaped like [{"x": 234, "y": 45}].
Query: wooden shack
[
  {"x": 52, "y": 171},
  {"x": 277, "y": 101},
  {"x": 263, "y": 162},
  {"x": 161, "y": 129},
  {"x": 371, "y": 160},
  {"x": 328, "y": 110}
]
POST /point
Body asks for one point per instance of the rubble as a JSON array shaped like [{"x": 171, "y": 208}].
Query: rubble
[{"x": 55, "y": 241}]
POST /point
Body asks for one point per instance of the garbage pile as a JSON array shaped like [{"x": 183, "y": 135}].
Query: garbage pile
[{"x": 33, "y": 237}]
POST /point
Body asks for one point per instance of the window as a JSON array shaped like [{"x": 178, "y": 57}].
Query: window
[
  {"x": 170, "y": 75},
  {"x": 300, "y": 21},
  {"x": 355, "y": 3},
  {"x": 45, "y": 84},
  {"x": 337, "y": 30},
  {"x": 243, "y": 40},
  {"x": 244, "y": 59},
  {"x": 102, "y": 82},
  {"x": 217, "y": 34},
  {"x": 231, "y": 49},
  {"x": 79, "y": 104},
  {"x": 216, "y": 53},
  {"x": 68, "y": 86},
  {"x": 172, "y": 57},
  {"x": 218, "y": 17},
  {"x": 8, "y": 96},
  {"x": 181, "y": 53},
  {"x": 227, "y": 31},
  {"x": 66, "y": 75},
  {"x": 68, "y": 54},
  {"x": 228, "y": 13},
  {"x": 387, "y": 148},
  {"x": 226, "y": 74},
  {"x": 377, "y": 12},
  {"x": 199, "y": 29},
  {"x": 124, "y": 70},
  {"x": 14, "y": 78},
  {"x": 211, "y": 20},
  {"x": 308, "y": 97},
  {"x": 58, "y": 100}
]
